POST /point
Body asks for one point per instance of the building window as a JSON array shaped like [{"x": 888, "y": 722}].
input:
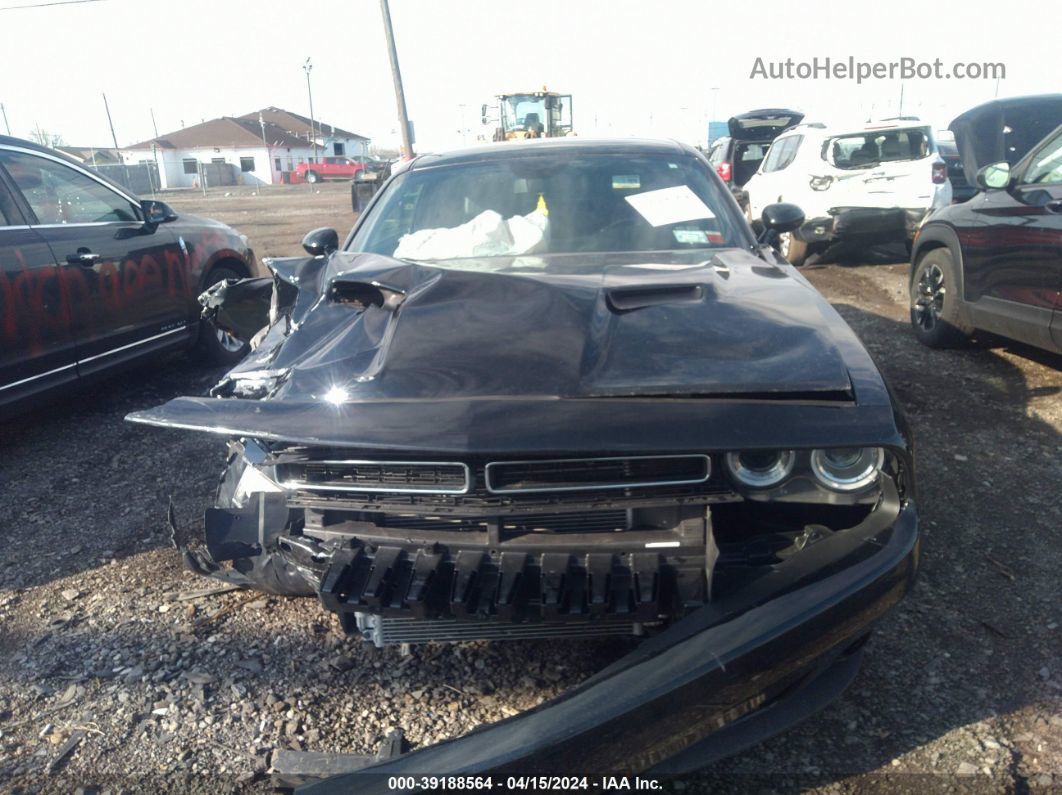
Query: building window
[
  {"x": 338, "y": 148},
  {"x": 276, "y": 164},
  {"x": 219, "y": 160},
  {"x": 246, "y": 164},
  {"x": 191, "y": 165}
]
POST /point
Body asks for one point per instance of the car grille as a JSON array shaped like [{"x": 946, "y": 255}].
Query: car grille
[
  {"x": 590, "y": 474},
  {"x": 397, "y": 477},
  {"x": 485, "y": 488}
]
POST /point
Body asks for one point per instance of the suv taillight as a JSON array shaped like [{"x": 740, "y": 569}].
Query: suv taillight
[
  {"x": 940, "y": 173},
  {"x": 724, "y": 171}
]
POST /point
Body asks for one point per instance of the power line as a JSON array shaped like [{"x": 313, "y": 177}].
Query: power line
[{"x": 45, "y": 5}]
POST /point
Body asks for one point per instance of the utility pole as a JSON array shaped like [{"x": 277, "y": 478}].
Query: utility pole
[
  {"x": 8, "y": 126},
  {"x": 114, "y": 139},
  {"x": 400, "y": 96},
  {"x": 110, "y": 123},
  {"x": 313, "y": 132},
  {"x": 154, "y": 126},
  {"x": 900, "y": 114}
]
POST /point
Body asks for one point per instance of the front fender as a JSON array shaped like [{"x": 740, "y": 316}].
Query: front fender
[{"x": 935, "y": 235}]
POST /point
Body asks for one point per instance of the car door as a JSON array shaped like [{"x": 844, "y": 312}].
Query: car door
[
  {"x": 773, "y": 182},
  {"x": 1012, "y": 258},
  {"x": 122, "y": 279},
  {"x": 36, "y": 348}
]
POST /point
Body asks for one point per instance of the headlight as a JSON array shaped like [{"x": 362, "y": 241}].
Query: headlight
[
  {"x": 760, "y": 468},
  {"x": 847, "y": 468}
]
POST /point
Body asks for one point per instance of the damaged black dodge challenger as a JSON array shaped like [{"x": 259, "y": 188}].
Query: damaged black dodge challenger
[{"x": 559, "y": 389}]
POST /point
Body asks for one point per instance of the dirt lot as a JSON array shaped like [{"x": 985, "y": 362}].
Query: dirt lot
[
  {"x": 961, "y": 689},
  {"x": 274, "y": 217}
]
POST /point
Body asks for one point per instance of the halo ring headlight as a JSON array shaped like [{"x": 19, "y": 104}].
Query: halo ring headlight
[
  {"x": 760, "y": 469},
  {"x": 847, "y": 468}
]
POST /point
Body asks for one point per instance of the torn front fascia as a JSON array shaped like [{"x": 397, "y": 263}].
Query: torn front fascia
[
  {"x": 200, "y": 561},
  {"x": 726, "y": 665}
]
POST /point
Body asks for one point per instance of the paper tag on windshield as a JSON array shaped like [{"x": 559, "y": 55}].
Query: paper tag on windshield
[{"x": 669, "y": 206}]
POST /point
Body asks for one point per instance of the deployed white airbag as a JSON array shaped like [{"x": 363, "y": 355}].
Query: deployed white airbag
[{"x": 486, "y": 235}]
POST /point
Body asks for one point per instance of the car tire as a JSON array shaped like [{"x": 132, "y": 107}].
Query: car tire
[
  {"x": 793, "y": 248},
  {"x": 217, "y": 346},
  {"x": 312, "y": 178},
  {"x": 937, "y": 315}
]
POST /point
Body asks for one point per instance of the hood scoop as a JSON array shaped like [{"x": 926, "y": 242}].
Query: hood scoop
[
  {"x": 627, "y": 299},
  {"x": 365, "y": 294}
]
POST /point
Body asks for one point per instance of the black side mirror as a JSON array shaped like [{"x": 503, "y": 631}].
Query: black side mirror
[
  {"x": 782, "y": 217},
  {"x": 156, "y": 212},
  {"x": 994, "y": 176},
  {"x": 321, "y": 242}
]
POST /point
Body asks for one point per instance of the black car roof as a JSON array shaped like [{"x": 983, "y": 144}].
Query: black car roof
[
  {"x": 553, "y": 146},
  {"x": 8, "y": 140}
]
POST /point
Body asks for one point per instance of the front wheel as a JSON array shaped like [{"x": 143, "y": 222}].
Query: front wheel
[
  {"x": 217, "y": 346},
  {"x": 937, "y": 314},
  {"x": 312, "y": 178}
]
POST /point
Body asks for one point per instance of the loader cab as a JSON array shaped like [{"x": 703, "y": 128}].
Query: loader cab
[{"x": 539, "y": 114}]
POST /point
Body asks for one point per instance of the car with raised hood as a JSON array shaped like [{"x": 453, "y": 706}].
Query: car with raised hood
[
  {"x": 994, "y": 262},
  {"x": 864, "y": 186},
  {"x": 737, "y": 156},
  {"x": 558, "y": 389},
  {"x": 961, "y": 188},
  {"x": 93, "y": 279}
]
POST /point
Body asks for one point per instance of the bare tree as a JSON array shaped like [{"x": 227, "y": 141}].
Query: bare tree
[{"x": 45, "y": 138}]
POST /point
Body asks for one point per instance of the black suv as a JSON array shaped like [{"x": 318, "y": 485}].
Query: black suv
[
  {"x": 994, "y": 262},
  {"x": 92, "y": 278}
]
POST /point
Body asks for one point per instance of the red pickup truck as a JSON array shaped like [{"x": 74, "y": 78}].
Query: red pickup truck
[{"x": 336, "y": 167}]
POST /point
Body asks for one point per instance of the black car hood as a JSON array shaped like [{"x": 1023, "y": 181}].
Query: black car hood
[
  {"x": 564, "y": 326},
  {"x": 1004, "y": 129},
  {"x": 678, "y": 352}
]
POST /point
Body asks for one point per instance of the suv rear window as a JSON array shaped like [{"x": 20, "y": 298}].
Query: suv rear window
[{"x": 863, "y": 150}]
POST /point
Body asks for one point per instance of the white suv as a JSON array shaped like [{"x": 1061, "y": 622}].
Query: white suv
[{"x": 870, "y": 185}]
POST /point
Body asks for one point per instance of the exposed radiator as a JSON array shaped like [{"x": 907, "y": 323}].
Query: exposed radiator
[{"x": 390, "y": 631}]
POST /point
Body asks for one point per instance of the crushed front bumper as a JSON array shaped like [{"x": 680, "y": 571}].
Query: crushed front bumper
[
  {"x": 865, "y": 224},
  {"x": 721, "y": 679}
]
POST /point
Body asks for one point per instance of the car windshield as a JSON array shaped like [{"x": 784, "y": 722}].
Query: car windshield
[
  {"x": 546, "y": 204},
  {"x": 863, "y": 150}
]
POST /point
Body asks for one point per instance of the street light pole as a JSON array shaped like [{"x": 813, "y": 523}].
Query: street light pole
[
  {"x": 400, "y": 96},
  {"x": 3, "y": 110},
  {"x": 313, "y": 125}
]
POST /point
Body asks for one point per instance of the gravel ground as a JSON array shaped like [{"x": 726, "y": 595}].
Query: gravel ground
[{"x": 961, "y": 689}]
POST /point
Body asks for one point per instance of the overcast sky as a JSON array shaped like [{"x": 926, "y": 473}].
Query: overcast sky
[{"x": 634, "y": 68}]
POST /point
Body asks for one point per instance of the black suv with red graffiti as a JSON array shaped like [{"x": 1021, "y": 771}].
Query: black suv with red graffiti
[{"x": 92, "y": 278}]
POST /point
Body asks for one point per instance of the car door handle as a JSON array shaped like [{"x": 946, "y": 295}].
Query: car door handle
[
  {"x": 1054, "y": 207},
  {"x": 83, "y": 257}
]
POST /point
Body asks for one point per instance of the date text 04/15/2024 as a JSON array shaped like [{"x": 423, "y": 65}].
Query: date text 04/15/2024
[{"x": 525, "y": 783}]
